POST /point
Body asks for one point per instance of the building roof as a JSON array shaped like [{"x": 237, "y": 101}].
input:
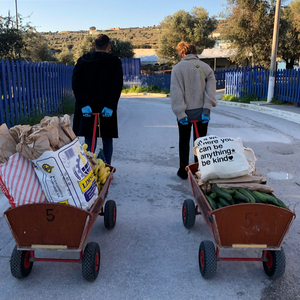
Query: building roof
[{"x": 217, "y": 53}]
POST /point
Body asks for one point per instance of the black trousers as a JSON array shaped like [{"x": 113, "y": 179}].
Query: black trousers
[{"x": 184, "y": 141}]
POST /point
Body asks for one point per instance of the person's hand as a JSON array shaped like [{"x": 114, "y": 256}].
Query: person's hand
[
  {"x": 106, "y": 112},
  {"x": 184, "y": 121},
  {"x": 87, "y": 111},
  {"x": 205, "y": 118}
]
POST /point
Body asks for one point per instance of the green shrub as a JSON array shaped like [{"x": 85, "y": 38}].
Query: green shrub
[{"x": 143, "y": 89}]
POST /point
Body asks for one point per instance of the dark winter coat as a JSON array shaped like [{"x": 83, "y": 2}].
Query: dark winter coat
[{"x": 97, "y": 81}]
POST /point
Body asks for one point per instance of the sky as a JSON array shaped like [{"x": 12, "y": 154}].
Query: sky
[{"x": 75, "y": 15}]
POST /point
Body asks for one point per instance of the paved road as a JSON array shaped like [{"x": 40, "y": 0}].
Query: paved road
[{"x": 149, "y": 254}]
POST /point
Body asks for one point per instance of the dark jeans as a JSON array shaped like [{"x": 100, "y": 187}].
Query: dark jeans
[
  {"x": 107, "y": 147},
  {"x": 184, "y": 141}
]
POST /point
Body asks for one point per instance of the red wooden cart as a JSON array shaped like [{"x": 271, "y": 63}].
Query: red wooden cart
[
  {"x": 247, "y": 225},
  {"x": 55, "y": 226}
]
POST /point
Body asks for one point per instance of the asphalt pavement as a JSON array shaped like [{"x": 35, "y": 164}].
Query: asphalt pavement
[{"x": 149, "y": 255}]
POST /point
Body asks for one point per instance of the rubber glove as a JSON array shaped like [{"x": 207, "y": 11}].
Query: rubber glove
[
  {"x": 184, "y": 121},
  {"x": 87, "y": 111},
  {"x": 205, "y": 119},
  {"x": 107, "y": 112}
]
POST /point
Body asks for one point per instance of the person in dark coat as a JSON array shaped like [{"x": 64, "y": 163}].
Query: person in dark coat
[{"x": 97, "y": 83}]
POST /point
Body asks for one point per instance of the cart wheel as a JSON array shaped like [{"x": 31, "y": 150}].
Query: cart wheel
[
  {"x": 188, "y": 213},
  {"x": 275, "y": 266},
  {"x": 110, "y": 214},
  {"x": 20, "y": 266},
  {"x": 207, "y": 259},
  {"x": 91, "y": 261}
]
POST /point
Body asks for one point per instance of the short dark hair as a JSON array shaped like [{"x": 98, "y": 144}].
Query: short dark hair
[{"x": 101, "y": 42}]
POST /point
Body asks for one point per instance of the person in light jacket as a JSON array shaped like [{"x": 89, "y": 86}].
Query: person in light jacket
[
  {"x": 97, "y": 83},
  {"x": 193, "y": 94}
]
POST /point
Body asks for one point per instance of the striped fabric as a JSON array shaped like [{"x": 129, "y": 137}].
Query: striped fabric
[{"x": 19, "y": 182}]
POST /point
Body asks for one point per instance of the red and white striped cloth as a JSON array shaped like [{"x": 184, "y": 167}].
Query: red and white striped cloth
[{"x": 19, "y": 182}]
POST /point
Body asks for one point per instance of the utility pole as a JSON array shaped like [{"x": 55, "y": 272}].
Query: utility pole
[
  {"x": 274, "y": 52},
  {"x": 16, "y": 14}
]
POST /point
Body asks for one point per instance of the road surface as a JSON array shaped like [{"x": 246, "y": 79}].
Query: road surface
[{"x": 150, "y": 254}]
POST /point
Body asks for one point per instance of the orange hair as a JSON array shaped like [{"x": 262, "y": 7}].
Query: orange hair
[{"x": 184, "y": 48}]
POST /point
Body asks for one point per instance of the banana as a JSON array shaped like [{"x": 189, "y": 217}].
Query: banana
[
  {"x": 104, "y": 180},
  {"x": 97, "y": 168},
  {"x": 101, "y": 172},
  {"x": 107, "y": 169},
  {"x": 104, "y": 175},
  {"x": 84, "y": 147}
]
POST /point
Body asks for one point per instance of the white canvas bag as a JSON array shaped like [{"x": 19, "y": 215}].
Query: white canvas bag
[{"x": 220, "y": 157}]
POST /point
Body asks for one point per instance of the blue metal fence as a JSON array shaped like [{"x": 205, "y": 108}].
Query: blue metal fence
[
  {"x": 131, "y": 66},
  {"x": 256, "y": 81},
  {"x": 158, "y": 81},
  {"x": 27, "y": 89}
]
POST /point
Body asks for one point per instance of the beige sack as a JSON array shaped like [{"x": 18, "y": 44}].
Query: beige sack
[
  {"x": 7, "y": 144},
  {"x": 251, "y": 186}
]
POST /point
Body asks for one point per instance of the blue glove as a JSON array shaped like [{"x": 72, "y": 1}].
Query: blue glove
[
  {"x": 205, "y": 119},
  {"x": 107, "y": 112},
  {"x": 184, "y": 121},
  {"x": 87, "y": 111}
]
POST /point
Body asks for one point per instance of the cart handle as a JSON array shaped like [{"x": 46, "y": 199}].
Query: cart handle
[
  {"x": 196, "y": 128},
  {"x": 94, "y": 131}
]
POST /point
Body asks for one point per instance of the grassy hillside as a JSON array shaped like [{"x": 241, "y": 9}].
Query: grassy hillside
[{"x": 145, "y": 37}]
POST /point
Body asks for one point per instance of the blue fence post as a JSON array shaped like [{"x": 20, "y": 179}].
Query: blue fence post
[
  {"x": 4, "y": 90},
  {"x": 14, "y": 88},
  {"x": 9, "y": 94},
  {"x": 1, "y": 95}
]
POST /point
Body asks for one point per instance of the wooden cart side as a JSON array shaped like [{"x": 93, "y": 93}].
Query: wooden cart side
[
  {"x": 256, "y": 224},
  {"x": 200, "y": 199},
  {"x": 48, "y": 225}
]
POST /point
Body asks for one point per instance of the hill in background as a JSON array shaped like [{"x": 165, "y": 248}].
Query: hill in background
[{"x": 145, "y": 37}]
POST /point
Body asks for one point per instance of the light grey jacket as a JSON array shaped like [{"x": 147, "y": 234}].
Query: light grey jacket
[{"x": 189, "y": 90}]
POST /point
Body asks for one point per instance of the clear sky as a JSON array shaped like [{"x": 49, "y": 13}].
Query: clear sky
[{"x": 74, "y": 15}]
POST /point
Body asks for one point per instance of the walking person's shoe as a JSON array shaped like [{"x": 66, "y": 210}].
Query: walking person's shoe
[{"x": 182, "y": 173}]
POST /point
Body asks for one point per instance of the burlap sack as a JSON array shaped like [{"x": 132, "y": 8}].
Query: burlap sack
[{"x": 7, "y": 144}]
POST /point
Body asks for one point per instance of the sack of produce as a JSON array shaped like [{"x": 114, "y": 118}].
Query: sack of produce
[
  {"x": 66, "y": 176},
  {"x": 221, "y": 157},
  {"x": 51, "y": 134},
  {"x": 19, "y": 182},
  {"x": 7, "y": 144}
]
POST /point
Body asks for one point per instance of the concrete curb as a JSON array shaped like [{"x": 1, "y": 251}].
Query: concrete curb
[
  {"x": 293, "y": 117},
  {"x": 154, "y": 95}
]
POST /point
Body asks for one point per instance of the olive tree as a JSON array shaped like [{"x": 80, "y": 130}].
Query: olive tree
[{"x": 192, "y": 27}]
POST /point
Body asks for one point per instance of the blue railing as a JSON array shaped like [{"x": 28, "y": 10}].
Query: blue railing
[
  {"x": 256, "y": 81},
  {"x": 27, "y": 89},
  {"x": 158, "y": 81},
  {"x": 220, "y": 75}
]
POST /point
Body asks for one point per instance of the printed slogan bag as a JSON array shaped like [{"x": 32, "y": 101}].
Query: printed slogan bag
[{"x": 220, "y": 157}]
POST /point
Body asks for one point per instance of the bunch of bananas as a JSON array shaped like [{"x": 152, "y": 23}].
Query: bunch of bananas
[{"x": 101, "y": 172}]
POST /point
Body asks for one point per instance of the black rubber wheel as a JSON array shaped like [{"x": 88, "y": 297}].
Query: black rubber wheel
[
  {"x": 110, "y": 214},
  {"x": 20, "y": 266},
  {"x": 207, "y": 259},
  {"x": 188, "y": 213},
  {"x": 275, "y": 266},
  {"x": 91, "y": 261}
]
